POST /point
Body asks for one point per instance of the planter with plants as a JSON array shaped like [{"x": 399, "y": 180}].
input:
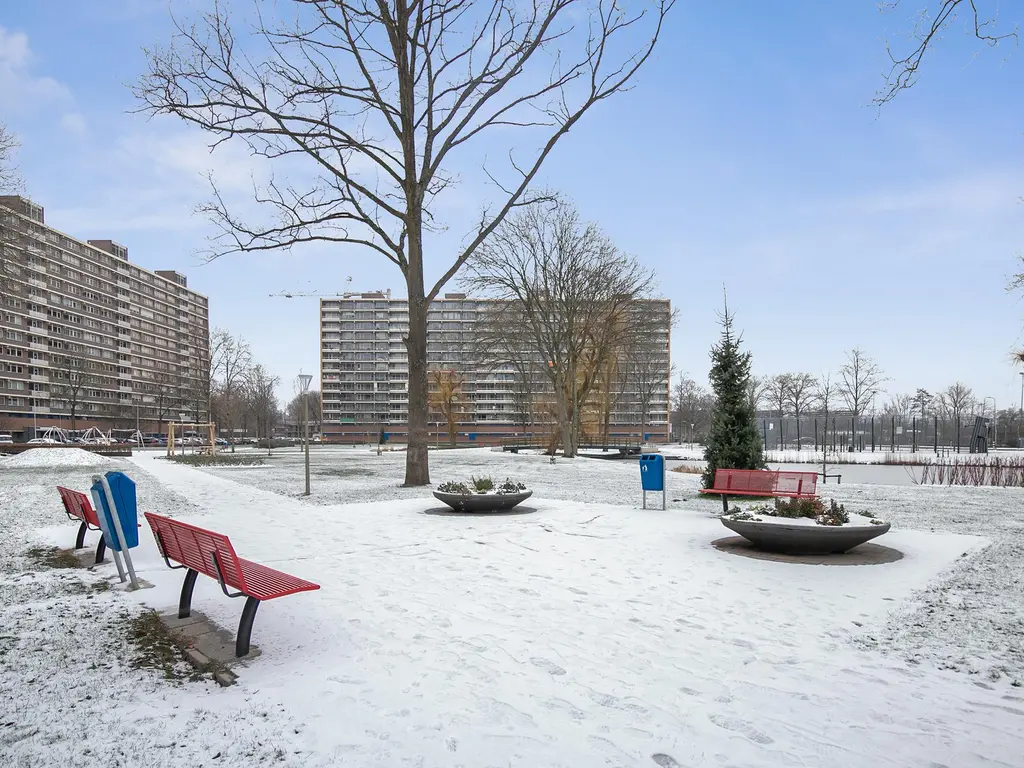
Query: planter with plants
[
  {"x": 481, "y": 494},
  {"x": 804, "y": 526}
]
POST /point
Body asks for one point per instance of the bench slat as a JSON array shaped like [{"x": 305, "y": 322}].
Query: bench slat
[
  {"x": 76, "y": 504},
  {"x": 194, "y": 548},
  {"x": 759, "y": 482},
  {"x": 266, "y": 583}
]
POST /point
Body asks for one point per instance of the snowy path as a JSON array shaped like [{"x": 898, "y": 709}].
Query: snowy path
[{"x": 579, "y": 635}]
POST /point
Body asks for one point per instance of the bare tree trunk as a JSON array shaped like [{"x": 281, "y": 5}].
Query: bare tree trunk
[
  {"x": 566, "y": 422},
  {"x": 417, "y": 471}
]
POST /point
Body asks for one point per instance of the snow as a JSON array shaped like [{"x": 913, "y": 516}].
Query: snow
[
  {"x": 589, "y": 632},
  {"x": 856, "y": 521},
  {"x": 55, "y": 457}
]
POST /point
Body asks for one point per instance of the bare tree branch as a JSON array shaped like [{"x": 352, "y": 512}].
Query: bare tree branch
[
  {"x": 905, "y": 69},
  {"x": 367, "y": 105}
]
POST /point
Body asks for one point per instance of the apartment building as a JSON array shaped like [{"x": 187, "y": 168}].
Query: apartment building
[
  {"x": 88, "y": 339},
  {"x": 364, "y": 374}
]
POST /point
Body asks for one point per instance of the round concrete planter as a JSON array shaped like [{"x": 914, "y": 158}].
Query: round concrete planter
[
  {"x": 482, "y": 502},
  {"x": 804, "y": 539}
]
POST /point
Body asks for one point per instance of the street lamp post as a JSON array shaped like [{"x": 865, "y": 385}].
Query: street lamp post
[{"x": 304, "y": 379}]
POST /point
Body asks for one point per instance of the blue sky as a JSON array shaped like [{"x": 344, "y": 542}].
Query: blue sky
[{"x": 747, "y": 154}]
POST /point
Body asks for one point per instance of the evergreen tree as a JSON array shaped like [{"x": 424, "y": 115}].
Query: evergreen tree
[{"x": 733, "y": 442}]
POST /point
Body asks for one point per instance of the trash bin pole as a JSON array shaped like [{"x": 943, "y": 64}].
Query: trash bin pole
[{"x": 116, "y": 518}]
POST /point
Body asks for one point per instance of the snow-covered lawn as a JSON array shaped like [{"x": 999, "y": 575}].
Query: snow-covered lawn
[{"x": 588, "y": 633}]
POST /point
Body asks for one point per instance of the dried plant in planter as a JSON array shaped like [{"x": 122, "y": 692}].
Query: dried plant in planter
[
  {"x": 481, "y": 484},
  {"x": 835, "y": 515},
  {"x": 453, "y": 487}
]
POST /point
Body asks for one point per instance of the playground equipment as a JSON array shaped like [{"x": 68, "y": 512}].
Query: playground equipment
[{"x": 207, "y": 447}]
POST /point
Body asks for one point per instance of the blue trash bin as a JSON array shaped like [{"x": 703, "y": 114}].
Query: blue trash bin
[
  {"x": 122, "y": 488},
  {"x": 652, "y": 475}
]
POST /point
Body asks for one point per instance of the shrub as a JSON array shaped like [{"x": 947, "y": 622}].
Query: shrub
[
  {"x": 835, "y": 515},
  {"x": 798, "y": 508},
  {"x": 217, "y": 460},
  {"x": 481, "y": 484},
  {"x": 453, "y": 487},
  {"x": 511, "y": 486}
]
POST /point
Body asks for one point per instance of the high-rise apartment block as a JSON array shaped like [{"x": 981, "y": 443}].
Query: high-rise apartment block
[
  {"x": 364, "y": 374},
  {"x": 88, "y": 337}
]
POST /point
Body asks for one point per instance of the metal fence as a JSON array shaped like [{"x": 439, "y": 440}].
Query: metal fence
[{"x": 875, "y": 433}]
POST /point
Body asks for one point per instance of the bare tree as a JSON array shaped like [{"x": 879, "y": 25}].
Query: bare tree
[
  {"x": 230, "y": 364},
  {"x": 959, "y": 399},
  {"x": 756, "y": 388},
  {"x": 860, "y": 379},
  {"x": 377, "y": 101},
  {"x": 295, "y": 412},
  {"x": 931, "y": 24},
  {"x": 693, "y": 405},
  {"x": 10, "y": 179},
  {"x": 571, "y": 289},
  {"x": 901, "y": 405},
  {"x": 258, "y": 392},
  {"x": 825, "y": 393},
  {"x": 646, "y": 373},
  {"x": 776, "y": 389},
  {"x": 800, "y": 396},
  {"x": 500, "y": 341},
  {"x": 70, "y": 379},
  {"x": 446, "y": 397}
]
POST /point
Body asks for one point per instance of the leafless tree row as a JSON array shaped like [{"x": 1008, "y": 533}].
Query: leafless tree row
[
  {"x": 241, "y": 392},
  {"x": 573, "y": 314}
]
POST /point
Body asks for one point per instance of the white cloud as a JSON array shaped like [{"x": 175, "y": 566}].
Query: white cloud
[
  {"x": 74, "y": 123},
  {"x": 21, "y": 90}
]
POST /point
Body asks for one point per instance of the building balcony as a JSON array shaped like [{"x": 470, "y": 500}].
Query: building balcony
[
  {"x": 38, "y": 377},
  {"x": 38, "y": 346}
]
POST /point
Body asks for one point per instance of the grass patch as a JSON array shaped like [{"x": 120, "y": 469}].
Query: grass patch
[
  {"x": 157, "y": 648},
  {"x": 340, "y": 472},
  {"x": 53, "y": 557},
  {"x": 686, "y": 469},
  {"x": 217, "y": 460}
]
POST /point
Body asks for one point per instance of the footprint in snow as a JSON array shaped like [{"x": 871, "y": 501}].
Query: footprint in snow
[
  {"x": 741, "y": 727},
  {"x": 665, "y": 761},
  {"x": 547, "y": 666}
]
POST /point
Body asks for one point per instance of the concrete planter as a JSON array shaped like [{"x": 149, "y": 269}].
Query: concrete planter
[
  {"x": 804, "y": 539},
  {"x": 482, "y": 502}
]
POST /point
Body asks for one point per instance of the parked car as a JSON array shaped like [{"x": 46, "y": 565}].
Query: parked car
[
  {"x": 6, "y": 440},
  {"x": 43, "y": 441}
]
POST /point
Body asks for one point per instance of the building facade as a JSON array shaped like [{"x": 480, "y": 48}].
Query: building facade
[
  {"x": 88, "y": 339},
  {"x": 364, "y": 374}
]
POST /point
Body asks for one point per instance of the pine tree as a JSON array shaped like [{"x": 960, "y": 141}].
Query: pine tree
[{"x": 733, "y": 441}]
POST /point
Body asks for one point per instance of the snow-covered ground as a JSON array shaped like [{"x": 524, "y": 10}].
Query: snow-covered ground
[{"x": 590, "y": 632}]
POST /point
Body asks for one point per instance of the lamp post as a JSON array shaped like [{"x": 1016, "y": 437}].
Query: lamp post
[
  {"x": 304, "y": 379},
  {"x": 181, "y": 421}
]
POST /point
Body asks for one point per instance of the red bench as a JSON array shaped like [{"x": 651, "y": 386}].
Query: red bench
[
  {"x": 761, "y": 482},
  {"x": 77, "y": 507},
  {"x": 210, "y": 553}
]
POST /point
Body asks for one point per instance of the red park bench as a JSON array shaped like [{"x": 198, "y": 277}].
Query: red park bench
[
  {"x": 203, "y": 551},
  {"x": 77, "y": 507},
  {"x": 761, "y": 482}
]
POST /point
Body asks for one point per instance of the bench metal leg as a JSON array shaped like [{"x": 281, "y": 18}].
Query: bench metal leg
[
  {"x": 725, "y": 503},
  {"x": 185, "y": 603},
  {"x": 101, "y": 549},
  {"x": 245, "y": 626},
  {"x": 80, "y": 541}
]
